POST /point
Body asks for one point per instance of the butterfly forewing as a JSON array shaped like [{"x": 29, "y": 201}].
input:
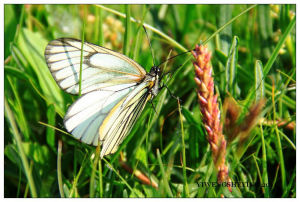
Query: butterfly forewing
[{"x": 101, "y": 67}]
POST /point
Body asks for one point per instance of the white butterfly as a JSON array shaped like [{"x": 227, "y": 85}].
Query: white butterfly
[{"x": 115, "y": 90}]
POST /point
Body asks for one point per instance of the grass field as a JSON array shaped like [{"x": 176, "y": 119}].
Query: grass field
[{"x": 253, "y": 56}]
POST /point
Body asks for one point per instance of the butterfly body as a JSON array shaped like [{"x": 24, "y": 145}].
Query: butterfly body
[
  {"x": 114, "y": 88},
  {"x": 153, "y": 78}
]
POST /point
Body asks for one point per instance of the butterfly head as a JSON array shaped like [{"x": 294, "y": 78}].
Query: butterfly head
[{"x": 155, "y": 72}]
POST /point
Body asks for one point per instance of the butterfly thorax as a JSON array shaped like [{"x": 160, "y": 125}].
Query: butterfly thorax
[{"x": 153, "y": 78}]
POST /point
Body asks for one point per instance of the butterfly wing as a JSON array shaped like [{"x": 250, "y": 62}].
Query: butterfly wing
[
  {"x": 122, "y": 117},
  {"x": 101, "y": 67},
  {"x": 86, "y": 115},
  {"x": 109, "y": 79}
]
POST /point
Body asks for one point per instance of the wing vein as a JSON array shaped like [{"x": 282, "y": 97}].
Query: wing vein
[{"x": 124, "y": 126}]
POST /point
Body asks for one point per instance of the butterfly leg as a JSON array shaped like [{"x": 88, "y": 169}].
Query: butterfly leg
[
  {"x": 153, "y": 107},
  {"x": 164, "y": 85}
]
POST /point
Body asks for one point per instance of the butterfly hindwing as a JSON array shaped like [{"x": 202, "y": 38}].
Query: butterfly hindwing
[
  {"x": 85, "y": 116},
  {"x": 121, "y": 119}
]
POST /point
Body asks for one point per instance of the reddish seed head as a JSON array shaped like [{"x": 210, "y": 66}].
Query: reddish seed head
[{"x": 210, "y": 109}]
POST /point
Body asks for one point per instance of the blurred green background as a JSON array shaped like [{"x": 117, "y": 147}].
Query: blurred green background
[{"x": 255, "y": 46}]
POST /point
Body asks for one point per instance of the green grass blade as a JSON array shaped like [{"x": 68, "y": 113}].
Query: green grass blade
[
  {"x": 75, "y": 182},
  {"x": 259, "y": 82},
  {"x": 10, "y": 26},
  {"x": 94, "y": 168},
  {"x": 59, "y": 173},
  {"x": 122, "y": 179},
  {"x": 99, "y": 38},
  {"x": 186, "y": 188},
  {"x": 81, "y": 51},
  {"x": 226, "y": 33},
  {"x": 291, "y": 185},
  {"x": 228, "y": 23},
  {"x": 127, "y": 30},
  {"x": 20, "y": 25},
  {"x": 50, "y": 133},
  {"x": 264, "y": 165},
  {"x": 265, "y": 24},
  {"x": 139, "y": 37},
  {"x": 17, "y": 136},
  {"x": 30, "y": 48},
  {"x": 155, "y": 30},
  {"x": 165, "y": 180},
  {"x": 100, "y": 179},
  {"x": 19, "y": 112},
  {"x": 285, "y": 99},
  {"x": 279, "y": 147},
  {"x": 258, "y": 170},
  {"x": 230, "y": 68},
  {"x": 280, "y": 43},
  {"x": 288, "y": 140}
]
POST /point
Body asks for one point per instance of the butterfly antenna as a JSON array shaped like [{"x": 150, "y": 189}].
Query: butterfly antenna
[
  {"x": 175, "y": 56},
  {"x": 152, "y": 53}
]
